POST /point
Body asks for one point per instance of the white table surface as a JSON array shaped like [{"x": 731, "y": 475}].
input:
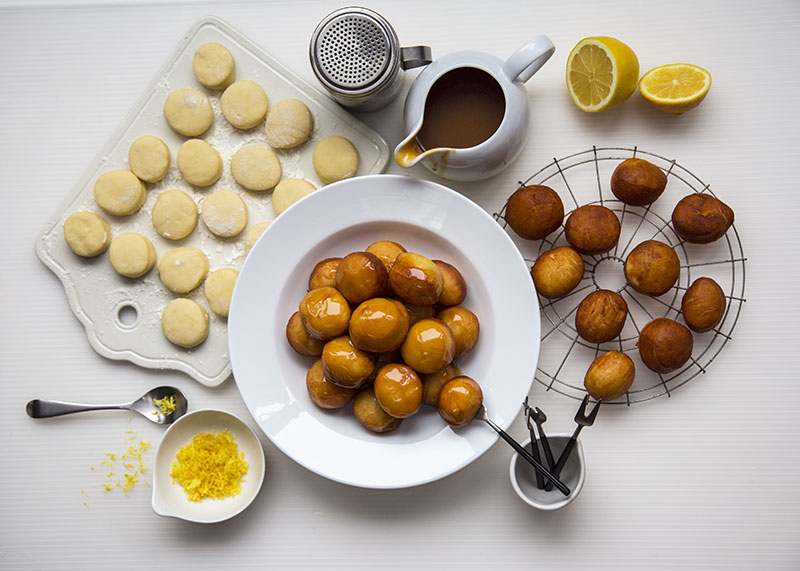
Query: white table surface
[{"x": 704, "y": 479}]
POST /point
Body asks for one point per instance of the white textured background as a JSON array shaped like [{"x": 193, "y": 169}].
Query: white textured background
[{"x": 705, "y": 479}]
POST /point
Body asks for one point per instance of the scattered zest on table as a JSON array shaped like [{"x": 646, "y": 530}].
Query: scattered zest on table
[{"x": 124, "y": 469}]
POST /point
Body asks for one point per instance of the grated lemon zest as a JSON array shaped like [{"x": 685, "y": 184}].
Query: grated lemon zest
[
  {"x": 210, "y": 466},
  {"x": 166, "y": 405}
]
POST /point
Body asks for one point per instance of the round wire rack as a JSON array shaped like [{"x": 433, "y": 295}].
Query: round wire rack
[{"x": 583, "y": 178}]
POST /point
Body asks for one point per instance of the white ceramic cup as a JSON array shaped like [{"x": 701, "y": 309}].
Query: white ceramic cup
[{"x": 523, "y": 475}]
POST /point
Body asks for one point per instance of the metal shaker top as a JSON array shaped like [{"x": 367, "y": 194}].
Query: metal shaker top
[{"x": 354, "y": 51}]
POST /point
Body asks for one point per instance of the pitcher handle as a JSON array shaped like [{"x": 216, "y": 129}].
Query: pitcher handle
[{"x": 527, "y": 60}]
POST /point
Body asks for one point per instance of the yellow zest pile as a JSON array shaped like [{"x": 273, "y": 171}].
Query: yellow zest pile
[
  {"x": 166, "y": 405},
  {"x": 210, "y": 466}
]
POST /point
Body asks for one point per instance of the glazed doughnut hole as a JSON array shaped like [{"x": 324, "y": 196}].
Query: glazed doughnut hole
[
  {"x": 324, "y": 273},
  {"x": 398, "y": 390},
  {"x": 361, "y": 276},
  {"x": 416, "y": 279},
  {"x": 299, "y": 339},
  {"x": 379, "y": 325},
  {"x": 369, "y": 413},
  {"x": 460, "y": 400},
  {"x": 324, "y": 393},
  {"x": 325, "y": 313},
  {"x": 346, "y": 365},
  {"x": 429, "y": 347}
]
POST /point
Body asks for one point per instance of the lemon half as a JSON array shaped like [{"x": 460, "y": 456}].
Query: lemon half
[
  {"x": 676, "y": 87},
  {"x": 601, "y": 72}
]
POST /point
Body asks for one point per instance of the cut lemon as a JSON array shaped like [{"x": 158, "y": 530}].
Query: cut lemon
[
  {"x": 601, "y": 72},
  {"x": 675, "y": 88}
]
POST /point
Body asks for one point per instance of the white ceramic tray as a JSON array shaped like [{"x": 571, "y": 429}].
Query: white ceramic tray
[{"x": 122, "y": 316}]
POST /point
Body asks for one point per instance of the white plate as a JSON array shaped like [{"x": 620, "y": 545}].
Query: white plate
[
  {"x": 170, "y": 500},
  {"x": 348, "y": 216}
]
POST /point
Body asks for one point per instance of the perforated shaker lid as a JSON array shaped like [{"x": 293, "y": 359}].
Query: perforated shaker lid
[{"x": 354, "y": 50}]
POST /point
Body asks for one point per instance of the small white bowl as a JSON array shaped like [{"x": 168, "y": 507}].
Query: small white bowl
[
  {"x": 523, "y": 475},
  {"x": 170, "y": 500}
]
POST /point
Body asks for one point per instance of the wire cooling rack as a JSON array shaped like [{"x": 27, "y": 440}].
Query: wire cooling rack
[{"x": 584, "y": 178}]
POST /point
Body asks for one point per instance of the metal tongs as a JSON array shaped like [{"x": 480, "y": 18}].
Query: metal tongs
[
  {"x": 537, "y": 416},
  {"x": 540, "y": 469},
  {"x": 582, "y": 419}
]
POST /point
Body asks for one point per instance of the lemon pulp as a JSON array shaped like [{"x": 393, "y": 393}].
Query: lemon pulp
[
  {"x": 675, "y": 88},
  {"x": 601, "y": 73}
]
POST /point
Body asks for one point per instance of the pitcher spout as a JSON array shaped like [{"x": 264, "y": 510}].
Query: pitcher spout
[{"x": 409, "y": 152}]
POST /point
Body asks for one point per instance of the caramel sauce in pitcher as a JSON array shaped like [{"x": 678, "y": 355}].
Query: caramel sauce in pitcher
[{"x": 463, "y": 109}]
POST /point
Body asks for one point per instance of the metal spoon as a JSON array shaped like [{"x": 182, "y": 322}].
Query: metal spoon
[
  {"x": 144, "y": 405},
  {"x": 553, "y": 480}
]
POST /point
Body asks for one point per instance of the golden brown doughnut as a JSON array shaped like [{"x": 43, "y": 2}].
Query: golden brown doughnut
[
  {"x": 652, "y": 268},
  {"x": 534, "y": 211},
  {"x": 638, "y": 182},
  {"x": 601, "y": 316},
  {"x": 609, "y": 376},
  {"x": 701, "y": 218},
  {"x": 592, "y": 229},
  {"x": 665, "y": 345},
  {"x": 703, "y": 305},
  {"x": 557, "y": 272}
]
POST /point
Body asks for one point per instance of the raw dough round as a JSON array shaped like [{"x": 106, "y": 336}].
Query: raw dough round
[
  {"x": 244, "y": 104},
  {"x": 335, "y": 158},
  {"x": 253, "y": 233},
  {"x": 87, "y": 234},
  {"x": 185, "y": 323},
  {"x": 224, "y": 213},
  {"x": 213, "y": 66},
  {"x": 182, "y": 269},
  {"x": 289, "y": 191},
  {"x": 131, "y": 255},
  {"x": 149, "y": 158},
  {"x": 119, "y": 192},
  {"x": 289, "y": 124},
  {"x": 174, "y": 214},
  {"x": 200, "y": 163},
  {"x": 188, "y": 112},
  {"x": 256, "y": 167},
  {"x": 219, "y": 288}
]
